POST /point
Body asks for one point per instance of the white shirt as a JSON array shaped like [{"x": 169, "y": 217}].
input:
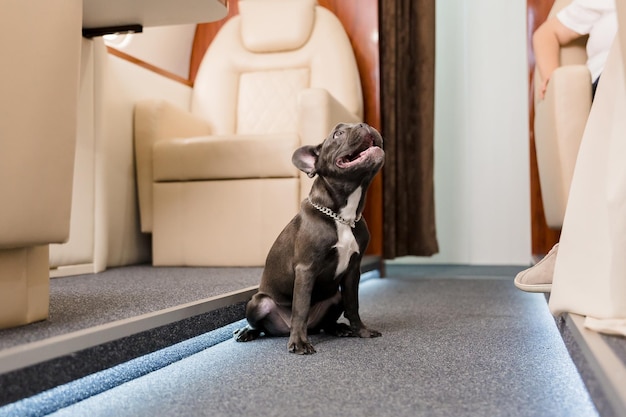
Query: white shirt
[{"x": 598, "y": 19}]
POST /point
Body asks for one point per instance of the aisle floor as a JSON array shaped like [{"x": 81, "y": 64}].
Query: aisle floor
[{"x": 450, "y": 347}]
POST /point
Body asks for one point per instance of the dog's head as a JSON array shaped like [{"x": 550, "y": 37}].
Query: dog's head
[{"x": 349, "y": 151}]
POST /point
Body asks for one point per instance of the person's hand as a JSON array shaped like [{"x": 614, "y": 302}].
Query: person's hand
[{"x": 547, "y": 41}]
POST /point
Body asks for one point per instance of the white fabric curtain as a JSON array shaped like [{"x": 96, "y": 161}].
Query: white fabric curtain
[{"x": 590, "y": 271}]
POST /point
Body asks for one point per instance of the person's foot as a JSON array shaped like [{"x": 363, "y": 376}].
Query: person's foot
[{"x": 538, "y": 278}]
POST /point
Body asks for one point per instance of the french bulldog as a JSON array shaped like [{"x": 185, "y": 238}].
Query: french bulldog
[{"x": 312, "y": 271}]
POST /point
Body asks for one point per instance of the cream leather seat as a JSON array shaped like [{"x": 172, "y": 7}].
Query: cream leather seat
[
  {"x": 40, "y": 45},
  {"x": 560, "y": 120},
  {"x": 216, "y": 182}
]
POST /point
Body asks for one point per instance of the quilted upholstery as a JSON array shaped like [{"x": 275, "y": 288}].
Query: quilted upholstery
[{"x": 267, "y": 100}]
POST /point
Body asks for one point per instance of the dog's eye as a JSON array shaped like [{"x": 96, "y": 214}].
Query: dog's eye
[{"x": 337, "y": 134}]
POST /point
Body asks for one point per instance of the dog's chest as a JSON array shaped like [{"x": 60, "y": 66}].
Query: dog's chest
[{"x": 346, "y": 242}]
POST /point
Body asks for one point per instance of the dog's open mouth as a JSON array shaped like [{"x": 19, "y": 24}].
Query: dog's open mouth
[{"x": 360, "y": 154}]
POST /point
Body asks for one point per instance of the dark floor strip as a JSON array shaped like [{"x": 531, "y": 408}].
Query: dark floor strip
[
  {"x": 80, "y": 389},
  {"x": 35, "y": 379}
]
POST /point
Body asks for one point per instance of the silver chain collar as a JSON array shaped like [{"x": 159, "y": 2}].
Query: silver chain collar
[{"x": 330, "y": 213}]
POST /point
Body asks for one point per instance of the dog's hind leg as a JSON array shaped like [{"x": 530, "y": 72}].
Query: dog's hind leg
[
  {"x": 246, "y": 334},
  {"x": 264, "y": 316}
]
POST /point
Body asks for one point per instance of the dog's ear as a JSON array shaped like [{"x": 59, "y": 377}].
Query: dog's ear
[{"x": 305, "y": 157}]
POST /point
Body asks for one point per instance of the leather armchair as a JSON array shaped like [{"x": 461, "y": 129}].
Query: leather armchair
[
  {"x": 39, "y": 76},
  {"x": 560, "y": 120},
  {"x": 216, "y": 183}
]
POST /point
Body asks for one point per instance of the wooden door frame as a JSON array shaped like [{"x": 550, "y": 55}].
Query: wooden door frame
[{"x": 542, "y": 236}]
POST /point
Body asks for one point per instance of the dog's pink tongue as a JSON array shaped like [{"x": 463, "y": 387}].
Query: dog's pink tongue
[{"x": 346, "y": 162}]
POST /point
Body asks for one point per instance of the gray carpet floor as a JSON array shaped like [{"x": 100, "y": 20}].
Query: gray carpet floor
[
  {"x": 450, "y": 347},
  {"x": 84, "y": 301}
]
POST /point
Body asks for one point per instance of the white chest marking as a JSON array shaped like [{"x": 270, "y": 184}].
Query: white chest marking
[{"x": 346, "y": 243}]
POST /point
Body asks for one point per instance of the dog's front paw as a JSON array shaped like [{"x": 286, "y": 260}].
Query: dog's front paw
[
  {"x": 302, "y": 347},
  {"x": 340, "y": 330},
  {"x": 368, "y": 333},
  {"x": 246, "y": 334}
]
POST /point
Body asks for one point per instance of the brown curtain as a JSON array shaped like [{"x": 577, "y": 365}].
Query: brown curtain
[{"x": 407, "y": 41}]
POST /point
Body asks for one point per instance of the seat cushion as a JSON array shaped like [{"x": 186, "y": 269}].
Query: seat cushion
[
  {"x": 220, "y": 223},
  {"x": 224, "y": 157}
]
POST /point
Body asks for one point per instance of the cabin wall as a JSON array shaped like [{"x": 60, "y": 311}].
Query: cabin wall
[
  {"x": 167, "y": 47},
  {"x": 104, "y": 229}
]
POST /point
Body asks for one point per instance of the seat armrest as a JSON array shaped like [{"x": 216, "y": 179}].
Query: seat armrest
[
  {"x": 157, "y": 120},
  {"x": 568, "y": 82},
  {"x": 560, "y": 120},
  {"x": 318, "y": 113}
]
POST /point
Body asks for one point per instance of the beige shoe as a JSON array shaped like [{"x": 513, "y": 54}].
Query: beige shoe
[{"x": 538, "y": 278}]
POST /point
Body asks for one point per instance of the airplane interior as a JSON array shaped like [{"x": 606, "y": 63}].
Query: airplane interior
[{"x": 149, "y": 163}]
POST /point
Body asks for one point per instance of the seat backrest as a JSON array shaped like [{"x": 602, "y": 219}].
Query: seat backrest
[
  {"x": 559, "y": 123},
  {"x": 251, "y": 74},
  {"x": 38, "y": 118}
]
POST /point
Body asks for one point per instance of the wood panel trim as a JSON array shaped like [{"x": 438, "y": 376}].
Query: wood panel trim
[
  {"x": 205, "y": 32},
  {"x": 542, "y": 237},
  {"x": 148, "y": 66},
  {"x": 360, "y": 20}
]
